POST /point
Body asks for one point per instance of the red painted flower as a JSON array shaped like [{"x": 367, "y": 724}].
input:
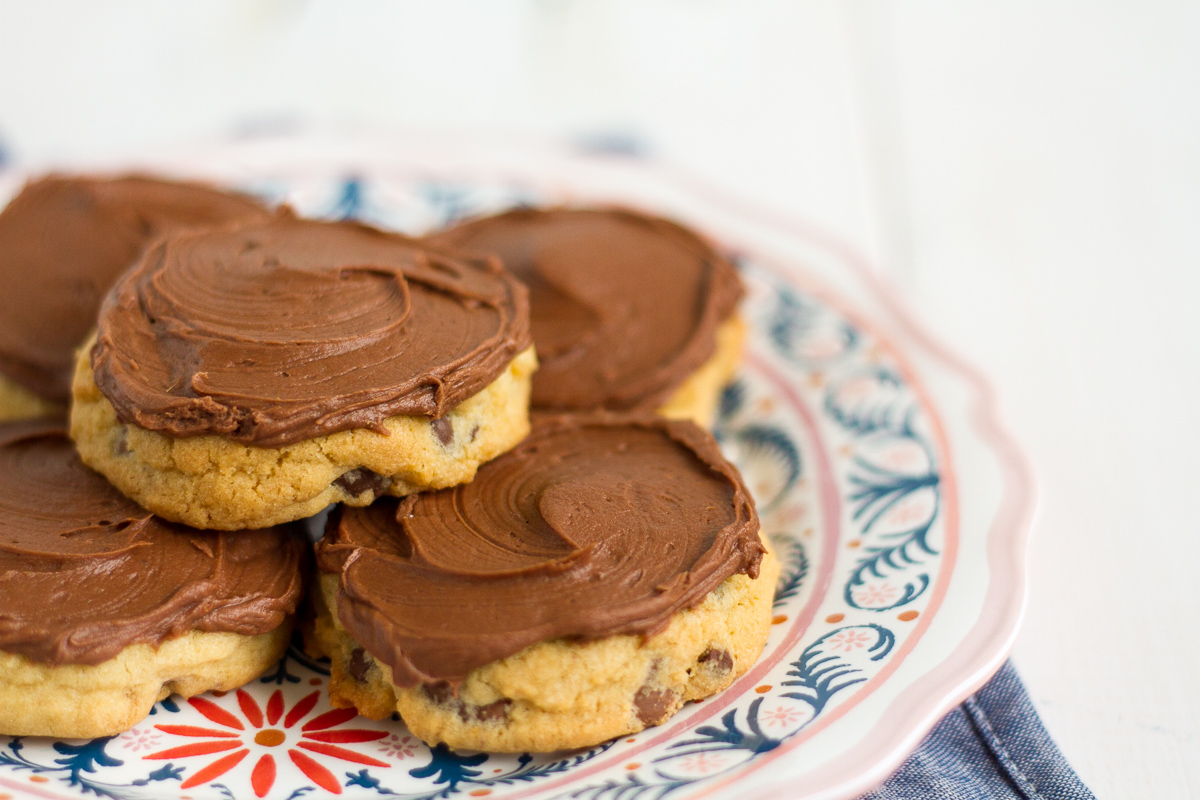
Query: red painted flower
[{"x": 317, "y": 735}]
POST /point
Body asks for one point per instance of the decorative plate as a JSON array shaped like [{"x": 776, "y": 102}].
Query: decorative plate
[{"x": 899, "y": 506}]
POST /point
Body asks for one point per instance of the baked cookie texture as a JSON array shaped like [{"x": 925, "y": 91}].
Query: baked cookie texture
[
  {"x": 560, "y": 694},
  {"x": 74, "y": 701},
  {"x": 698, "y": 396},
  {"x": 213, "y": 482},
  {"x": 18, "y": 403}
]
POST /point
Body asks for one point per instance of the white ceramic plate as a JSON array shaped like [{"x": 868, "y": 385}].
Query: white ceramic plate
[{"x": 899, "y": 506}]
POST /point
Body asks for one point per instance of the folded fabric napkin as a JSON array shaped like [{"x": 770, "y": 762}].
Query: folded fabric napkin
[{"x": 991, "y": 747}]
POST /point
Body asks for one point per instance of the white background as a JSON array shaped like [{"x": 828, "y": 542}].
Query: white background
[{"x": 1027, "y": 172}]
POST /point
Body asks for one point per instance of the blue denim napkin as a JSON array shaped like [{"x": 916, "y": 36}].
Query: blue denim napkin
[{"x": 992, "y": 747}]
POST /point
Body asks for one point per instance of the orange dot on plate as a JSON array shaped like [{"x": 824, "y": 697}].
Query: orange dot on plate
[
  {"x": 835, "y": 618},
  {"x": 270, "y": 737},
  {"x": 854, "y": 543},
  {"x": 631, "y": 741},
  {"x": 39, "y": 779},
  {"x": 497, "y": 769},
  {"x": 633, "y": 765},
  {"x": 5, "y": 796},
  {"x": 481, "y": 792},
  {"x": 779, "y": 619},
  {"x": 907, "y": 616},
  {"x": 766, "y": 687}
]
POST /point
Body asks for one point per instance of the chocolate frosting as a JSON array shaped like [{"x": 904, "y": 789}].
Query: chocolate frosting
[
  {"x": 84, "y": 572},
  {"x": 63, "y": 241},
  {"x": 624, "y": 306},
  {"x": 276, "y": 333},
  {"x": 593, "y": 526}
]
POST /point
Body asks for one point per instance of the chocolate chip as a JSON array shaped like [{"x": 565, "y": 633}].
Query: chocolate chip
[
  {"x": 359, "y": 665},
  {"x": 444, "y": 694},
  {"x": 122, "y": 443},
  {"x": 474, "y": 432},
  {"x": 359, "y": 481},
  {"x": 441, "y": 692},
  {"x": 444, "y": 431},
  {"x": 493, "y": 712},
  {"x": 717, "y": 660},
  {"x": 653, "y": 705}
]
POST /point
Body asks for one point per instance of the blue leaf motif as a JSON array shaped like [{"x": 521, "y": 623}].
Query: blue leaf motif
[
  {"x": 77, "y": 760},
  {"x": 809, "y": 333},
  {"x": 795, "y": 568},
  {"x": 349, "y": 204},
  {"x": 166, "y": 705},
  {"x": 896, "y": 508},
  {"x": 729, "y": 736},
  {"x": 170, "y": 772},
  {"x": 366, "y": 780},
  {"x": 451, "y": 770},
  {"x": 225, "y": 791},
  {"x": 87, "y": 756},
  {"x": 733, "y": 399},
  {"x": 631, "y": 787},
  {"x": 870, "y": 401},
  {"x": 527, "y": 771},
  {"x": 450, "y": 767},
  {"x": 770, "y": 461},
  {"x": 449, "y": 202},
  {"x": 362, "y": 778},
  {"x": 878, "y": 490},
  {"x": 837, "y": 661}
]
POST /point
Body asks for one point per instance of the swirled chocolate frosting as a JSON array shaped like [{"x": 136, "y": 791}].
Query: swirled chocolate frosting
[
  {"x": 63, "y": 241},
  {"x": 624, "y": 306},
  {"x": 275, "y": 333},
  {"x": 84, "y": 572},
  {"x": 593, "y": 526}
]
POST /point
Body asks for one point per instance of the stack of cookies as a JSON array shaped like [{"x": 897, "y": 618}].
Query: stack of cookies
[{"x": 518, "y": 558}]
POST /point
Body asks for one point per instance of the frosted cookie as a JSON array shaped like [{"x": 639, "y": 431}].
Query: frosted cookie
[
  {"x": 585, "y": 585},
  {"x": 105, "y": 609},
  {"x": 246, "y": 377},
  {"x": 63, "y": 242},
  {"x": 629, "y": 312}
]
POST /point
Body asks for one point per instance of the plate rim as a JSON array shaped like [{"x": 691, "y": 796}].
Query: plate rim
[{"x": 984, "y": 646}]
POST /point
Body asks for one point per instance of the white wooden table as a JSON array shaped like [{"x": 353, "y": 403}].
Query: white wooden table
[{"x": 1027, "y": 172}]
